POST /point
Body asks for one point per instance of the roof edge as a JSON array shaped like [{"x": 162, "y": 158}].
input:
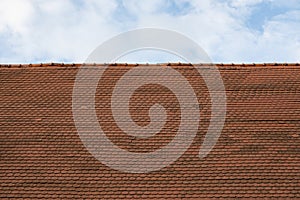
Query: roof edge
[{"x": 76, "y": 65}]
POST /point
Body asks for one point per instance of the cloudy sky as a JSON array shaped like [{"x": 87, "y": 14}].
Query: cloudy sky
[{"x": 34, "y": 31}]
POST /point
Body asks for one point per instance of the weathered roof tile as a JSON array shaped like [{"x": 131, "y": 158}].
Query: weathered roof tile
[{"x": 256, "y": 156}]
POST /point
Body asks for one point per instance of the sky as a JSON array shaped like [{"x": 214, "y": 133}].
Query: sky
[{"x": 233, "y": 31}]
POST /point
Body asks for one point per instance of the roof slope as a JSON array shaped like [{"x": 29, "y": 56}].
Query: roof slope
[{"x": 256, "y": 156}]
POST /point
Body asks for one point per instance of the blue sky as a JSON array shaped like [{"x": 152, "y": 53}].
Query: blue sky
[{"x": 239, "y": 31}]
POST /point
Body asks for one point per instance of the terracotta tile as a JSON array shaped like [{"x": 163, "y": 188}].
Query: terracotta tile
[{"x": 257, "y": 155}]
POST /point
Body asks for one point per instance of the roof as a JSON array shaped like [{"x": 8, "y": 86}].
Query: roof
[{"x": 257, "y": 154}]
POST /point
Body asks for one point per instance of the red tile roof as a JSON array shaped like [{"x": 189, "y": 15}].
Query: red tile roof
[{"x": 256, "y": 156}]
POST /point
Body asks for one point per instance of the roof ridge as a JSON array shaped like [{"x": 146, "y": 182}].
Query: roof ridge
[{"x": 149, "y": 64}]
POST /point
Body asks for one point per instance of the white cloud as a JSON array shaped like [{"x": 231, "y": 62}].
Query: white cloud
[
  {"x": 281, "y": 40},
  {"x": 145, "y": 7},
  {"x": 243, "y": 3},
  {"x": 56, "y": 30},
  {"x": 60, "y": 30},
  {"x": 14, "y": 15}
]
